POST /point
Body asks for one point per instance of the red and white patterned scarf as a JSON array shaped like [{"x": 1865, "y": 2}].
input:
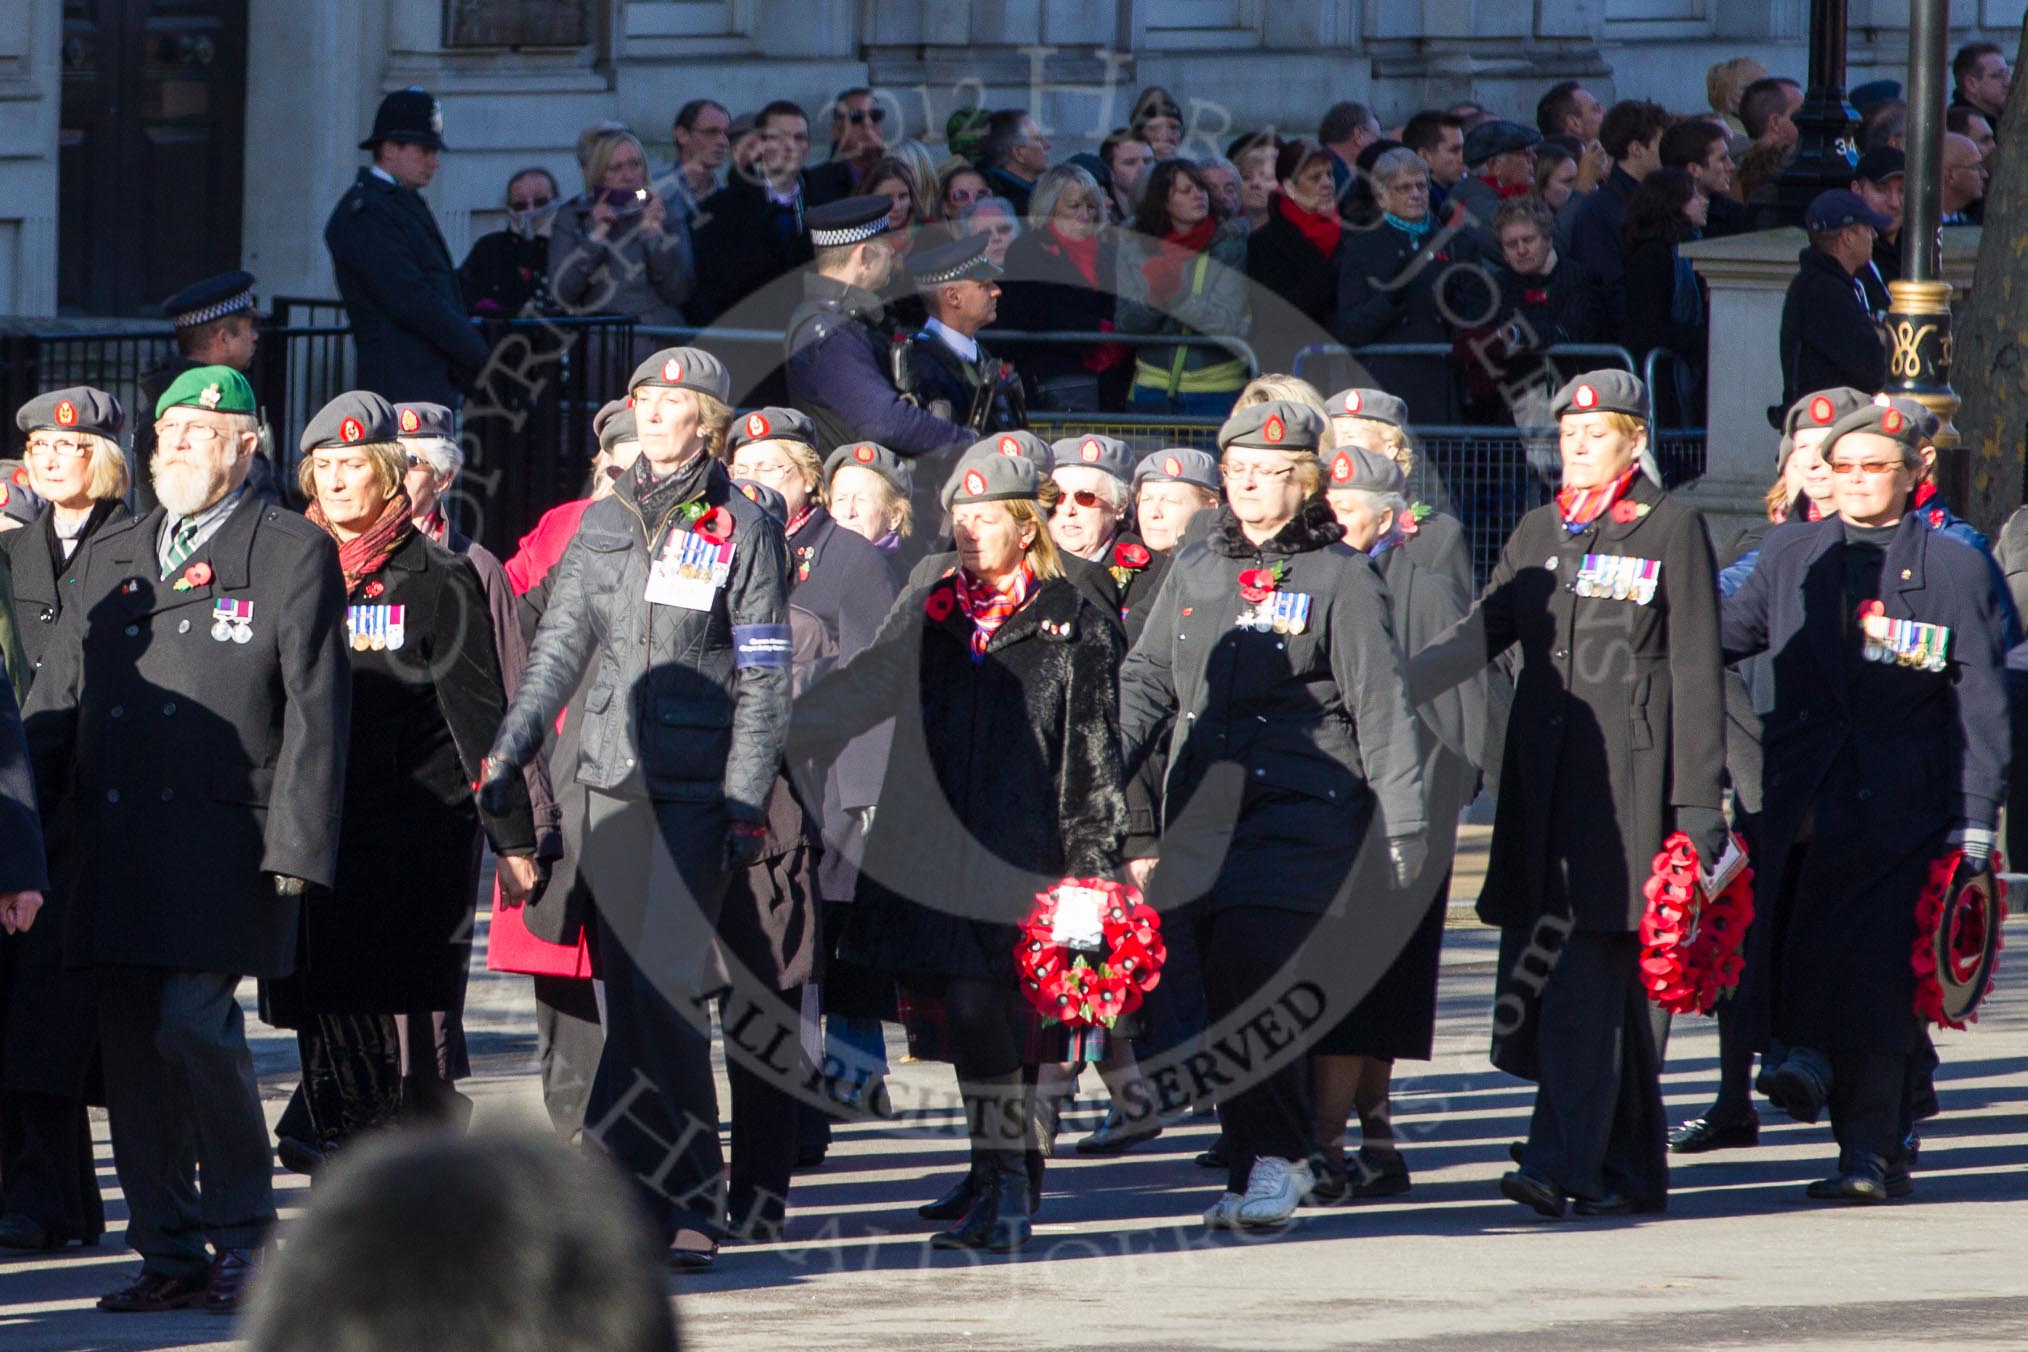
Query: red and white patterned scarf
[
  {"x": 987, "y": 607},
  {"x": 1582, "y": 506}
]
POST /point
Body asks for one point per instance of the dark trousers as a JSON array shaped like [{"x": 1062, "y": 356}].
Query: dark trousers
[
  {"x": 46, "y": 1166},
  {"x": 1870, "y": 1101},
  {"x": 655, "y": 869},
  {"x": 765, "y": 1118},
  {"x": 568, "y": 1041},
  {"x": 1241, "y": 950},
  {"x": 181, "y": 1095},
  {"x": 1597, "y": 1126}
]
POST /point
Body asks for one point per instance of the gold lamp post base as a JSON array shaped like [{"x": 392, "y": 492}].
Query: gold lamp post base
[{"x": 1918, "y": 331}]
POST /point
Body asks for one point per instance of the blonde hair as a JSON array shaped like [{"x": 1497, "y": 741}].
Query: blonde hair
[
  {"x": 1777, "y": 499},
  {"x": 596, "y": 153},
  {"x": 714, "y": 420},
  {"x": 1267, "y": 389},
  {"x": 1043, "y": 559},
  {"x": 803, "y": 458},
  {"x": 1396, "y": 444},
  {"x": 904, "y": 520},
  {"x": 388, "y": 458},
  {"x": 108, "y": 477},
  {"x": 1724, "y": 83},
  {"x": 920, "y": 169}
]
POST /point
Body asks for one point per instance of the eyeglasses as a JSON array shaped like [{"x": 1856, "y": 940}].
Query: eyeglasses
[
  {"x": 1250, "y": 473},
  {"x": 1086, "y": 499},
  {"x": 1871, "y": 468},
  {"x": 63, "y": 450},
  {"x": 876, "y": 115},
  {"x": 964, "y": 197},
  {"x": 532, "y": 204},
  {"x": 191, "y": 433}
]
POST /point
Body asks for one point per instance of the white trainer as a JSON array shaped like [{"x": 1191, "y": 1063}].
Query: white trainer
[
  {"x": 1224, "y": 1213},
  {"x": 1274, "y": 1189}
]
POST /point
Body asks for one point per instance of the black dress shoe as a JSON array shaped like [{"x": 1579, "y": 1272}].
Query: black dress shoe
[
  {"x": 1700, "y": 1134},
  {"x": 999, "y": 1221},
  {"x": 298, "y": 1156},
  {"x": 1214, "y": 1158},
  {"x": 694, "y": 1259},
  {"x": 1616, "y": 1204},
  {"x": 1531, "y": 1189},
  {"x": 233, "y": 1272},
  {"x": 1862, "y": 1177},
  {"x": 1382, "y": 1173},
  {"x": 1798, "y": 1091},
  {"x": 152, "y": 1293},
  {"x": 21, "y": 1232}
]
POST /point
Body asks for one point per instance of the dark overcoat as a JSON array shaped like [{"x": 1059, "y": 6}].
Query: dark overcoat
[
  {"x": 1043, "y": 292},
  {"x": 1003, "y": 779},
  {"x": 401, "y": 292},
  {"x": 1136, "y": 582},
  {"x": 1281, "y": 260},
  {"x": 50, "y": 1011},
  {"x": 1869, "y": 763},
  {"x": 984, "y": 395},
  {"x": 1388, "y": 288},
  {"x": 48, "y": 1017},
  {"x": 179, "y": 745},
  {"x": 395, "y": 934},
  {"x": 1318, "y": 720}
]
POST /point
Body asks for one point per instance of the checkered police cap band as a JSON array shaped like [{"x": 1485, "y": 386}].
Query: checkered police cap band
[
  {"x": 219, "y": 309},
  {"x": 976, "y": 267},
  {"x": 848, "y": 234}
]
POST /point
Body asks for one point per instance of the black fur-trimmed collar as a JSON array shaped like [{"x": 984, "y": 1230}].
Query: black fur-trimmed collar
[{"x": 1313, "y": 527}]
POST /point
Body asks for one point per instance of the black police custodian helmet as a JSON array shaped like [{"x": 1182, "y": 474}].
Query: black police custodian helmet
[{"x": 409, "y": 116}]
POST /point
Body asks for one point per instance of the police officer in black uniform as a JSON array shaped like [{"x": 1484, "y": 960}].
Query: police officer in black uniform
[
  {"x": 955, "y": 377},
  {"x": 217, "y": 324},
  {"x": 847, "y": 363},
  {"x": 394, "y": 270}
]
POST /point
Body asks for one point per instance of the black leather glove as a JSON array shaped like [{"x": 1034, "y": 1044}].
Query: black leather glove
[
  {"x": 1706, "y": 828},
  {"x": 495, "y": 786},
  {"x": 745, "y": 842}
]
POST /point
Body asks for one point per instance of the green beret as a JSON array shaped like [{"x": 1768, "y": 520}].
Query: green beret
[
  {"x": 684, "y": 368},
  {"x": 77, "y": 409},
  {"x": 772, "y": 424},
  {"x": 992, "y": 478},
  {"x": 1099, "y": 452},
  {"x": 1605, "y": 391},
  {"x": 218, "y": 388},
  {"x": 1278, "y": 425},
  {"x": 354, "y": 418}
]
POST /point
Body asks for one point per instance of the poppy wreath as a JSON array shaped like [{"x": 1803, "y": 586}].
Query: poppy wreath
[
  {"x": 1963, "y": 947},
  {"x": 1691, "y": 943},
  {"x": 1063, "y": 984}
]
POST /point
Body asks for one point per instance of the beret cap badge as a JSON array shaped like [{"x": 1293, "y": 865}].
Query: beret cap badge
[
  {"x": 863, "y": 454},
  {"x": 1172, "y": 466},
  {"x": 1091, "y": 451},
  {"x": 1821, "y": 410},
  {"x": 350, "y": 430},
  {"x": 66, "y": 414},
  {"x": 672, "y": 371},
  {"x": 409, "y": 421},
  {"x": 212, "y": 394},
  {"x": 975, "y": 482},
  {"x": 1586, "y": 397},
  {"x": 1273, "y": 431},
  {"x": 1009, "y": 446}
]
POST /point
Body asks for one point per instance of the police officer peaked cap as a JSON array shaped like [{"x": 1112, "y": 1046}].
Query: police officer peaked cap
[
  {"x": 354, "y": 418},
  {"x": 684, "y": 368},
  {"x": 1098, "y": 452},
  {"x": 218, "y": 388},
  {"x": 1883, "y": 419},
  {"x": 1277, "y": 425},
  {"x": 772, "y": 424},
  {"x": 1364, "y": 470},
  {"x": 1024, "y": 444},
  {"x": 620, "y": 427},
  {"x": 872, "y": 456},
  {"x": 962, "y": 260},
  {"x": 1821, "y": 408},
  {"x": 849, "y": 220},
  {"x": 229, "y": 293},
  {"x": 425, "y": 420},
  {"x": 765, "y": 498},
  {"x": 77, "y": 409},
  {"x": 992, "y": 478},
  {"x": 410, "y": 116},
  {"x": 1606, "y": 391},
  {"x": 1378, "y": 405},
  {"x": 1497, "y": 137},
  {"x": 1178, "y": 465}
]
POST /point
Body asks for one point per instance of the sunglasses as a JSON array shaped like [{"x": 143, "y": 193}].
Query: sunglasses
[
  {"x": 1086, "y": 499},
  {"x": 531, "y": 204},
  {"x": 875, "y": 115},
  {"x": 1867, "y": 467}
]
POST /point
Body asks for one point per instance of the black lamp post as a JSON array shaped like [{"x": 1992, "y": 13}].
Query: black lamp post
[
  {"x": 1918, "y": 324},
  {"x": 1825, "y": 124}
]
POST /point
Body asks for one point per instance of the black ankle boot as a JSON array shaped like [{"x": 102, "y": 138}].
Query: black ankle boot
[
  {"x": 1012, "y": 1215},
  {"x": 955, "y": 1204}
]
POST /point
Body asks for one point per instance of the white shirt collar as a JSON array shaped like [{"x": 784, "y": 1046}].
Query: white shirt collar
[
  {"x": 968, "y": 348},
  {"x": 381, "y": 173}
]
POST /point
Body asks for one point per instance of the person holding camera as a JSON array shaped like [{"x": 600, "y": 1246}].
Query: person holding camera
[{"x": 614, "y": 248}]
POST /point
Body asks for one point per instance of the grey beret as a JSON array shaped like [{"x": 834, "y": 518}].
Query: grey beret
[
  {"x": 1882, "y": 419},
  {"x": 1179, "y": 465},
  {"x": 1024, "y": 444},
  {"x": 618, "y": 428},
  {"x": 1927, "y": 424},
  {"x": 77, "y": 409},
  {"x": 772, "y": 424},
  {"x": 870, "y": 455},
  {"x": 1604, "y": 391},
  {"x": 1367, "y": 471},
  {"x": 1821, "y": 408},
  {"x": 1099, "y": 452},
  {"x": 354, "y": 418},
  {"x": 763, "y": 497},
  {"x": 684, "y": 368},
  {"x": 607, "y": 412},
  {"x": 991, "y": 478},
  {"x": 1277, "y": 425},
  {"x": 425, "y": 420},
  {"x": 1378, "y": 405}
]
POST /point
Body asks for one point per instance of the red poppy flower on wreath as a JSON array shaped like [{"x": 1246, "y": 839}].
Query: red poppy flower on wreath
[
  {"x": 939, "y": 604},
  {"x": 1691, "y": 943},
  {"x": 1127, "y": 554},
  {"x": 715, "y": 525},
  {"x": 196, "y": 575},
  {"x": 1625, "y": 513},
  {"x": 1256, "y": 584},
  {"x": 1082, "y": 988},
  {"x": 374, "y": 588}
]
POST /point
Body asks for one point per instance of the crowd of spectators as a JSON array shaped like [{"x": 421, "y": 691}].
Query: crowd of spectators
[{"x": 1463, "y": 231}]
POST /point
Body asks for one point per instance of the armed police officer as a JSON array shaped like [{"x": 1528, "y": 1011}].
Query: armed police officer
[{"x": 954, "y": 376}]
